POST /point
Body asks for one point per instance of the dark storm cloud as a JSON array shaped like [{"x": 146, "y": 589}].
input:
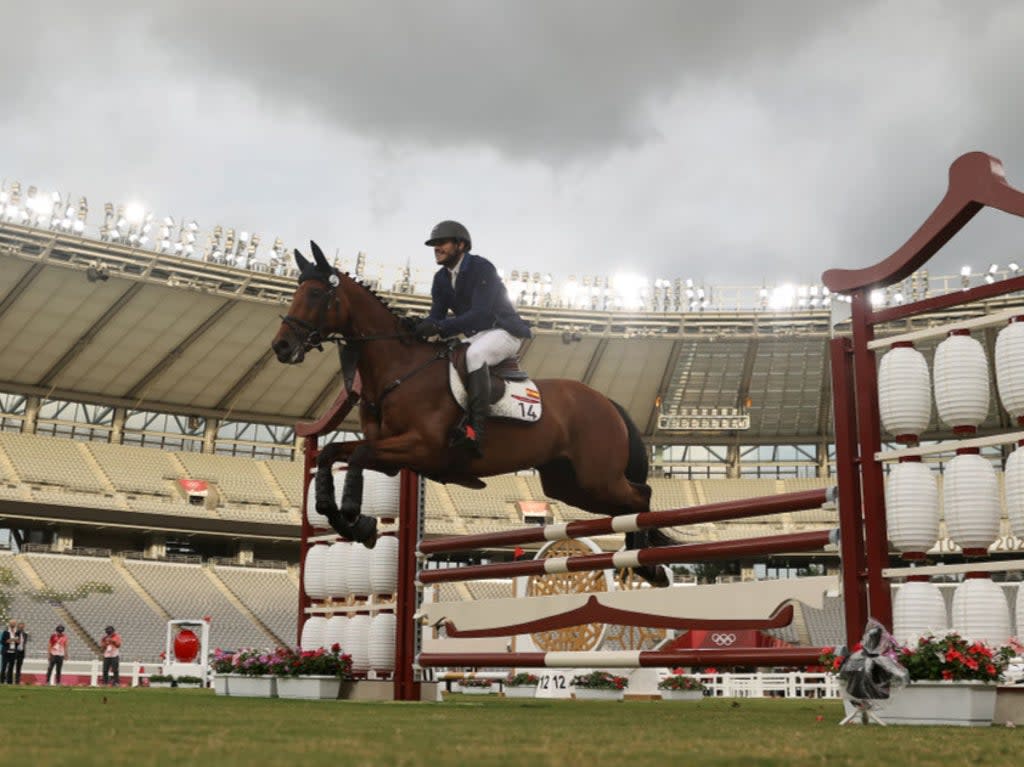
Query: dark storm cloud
[
  {"x": 735, "y": 142},
  {"x": 547, "y": 80}
]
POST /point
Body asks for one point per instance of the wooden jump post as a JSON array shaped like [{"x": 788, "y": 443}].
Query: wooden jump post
[{"x": 976, "y": 181}]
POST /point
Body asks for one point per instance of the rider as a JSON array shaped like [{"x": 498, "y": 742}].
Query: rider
[{"x": 469, "y": 287}]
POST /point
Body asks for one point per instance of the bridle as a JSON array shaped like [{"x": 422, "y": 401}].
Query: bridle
[{"x": 314, "y": 336}]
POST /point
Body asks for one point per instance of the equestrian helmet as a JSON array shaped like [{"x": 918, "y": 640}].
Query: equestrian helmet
[{"x": 449, "y": 230}]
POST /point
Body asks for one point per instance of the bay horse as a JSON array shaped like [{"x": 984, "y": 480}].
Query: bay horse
[{"x": 587, "y": 450}]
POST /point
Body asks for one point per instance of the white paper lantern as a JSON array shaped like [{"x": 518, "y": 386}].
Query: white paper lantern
[
  {"x": 357, "y": 570},
  {"x": 313, "y": 572},
  {"x": 381, "y": 642},
  {"x": 313, "y": 632},
  {"x": 336, "y": 570},
  {"x": 358, "y": 636},
  {"x": 1010, "y": 368},
  {"x": 912, "y": 509},
  {"x": 971, "y": 503},
  {"x": 1014, "y": 480},
  {"x": 961, "y": 383},
  {"x": 315, "y": 518},
  {"x": 381, "y": 494},
  {"x": 336, "y": 632},
  {"x": 981, "y": 612},
  {"x": 904, "y": 393},
  {"x": 384, "y": 565},
  {"x": 917, "y": 611}
]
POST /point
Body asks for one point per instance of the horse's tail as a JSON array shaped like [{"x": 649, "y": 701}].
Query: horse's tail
[{"x": 637, "y": 466}]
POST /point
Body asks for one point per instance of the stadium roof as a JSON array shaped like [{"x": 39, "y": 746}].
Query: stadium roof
[{"x": 99, "y": 322}]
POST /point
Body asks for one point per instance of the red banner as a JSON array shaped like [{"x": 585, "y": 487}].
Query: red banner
[
  {"x": 538, "y": 508},
  {"x": 194, "y": 486}
]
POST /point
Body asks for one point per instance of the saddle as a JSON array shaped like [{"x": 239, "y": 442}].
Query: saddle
[{"x": 506, "y": 370}]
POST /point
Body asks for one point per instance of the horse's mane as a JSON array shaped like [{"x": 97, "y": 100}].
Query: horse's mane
[{"x": 315, "y": 272}]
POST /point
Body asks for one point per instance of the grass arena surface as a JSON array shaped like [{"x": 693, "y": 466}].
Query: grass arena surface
[{"x": 86, "y": 726}]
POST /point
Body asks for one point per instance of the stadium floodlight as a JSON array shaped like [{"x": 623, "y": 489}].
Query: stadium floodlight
[
  {"x": 989, "y": 279},
  {"x": 877, "y": 298},
  {"x": 782, "y": 297},
  {"x": 1014, "y": 267},
  {"x": 134, "y": 213}
]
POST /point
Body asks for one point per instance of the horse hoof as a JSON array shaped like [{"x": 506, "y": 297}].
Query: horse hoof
[
  {"x": 364, "y": 531},
  {"x": 657, "y": 575}
]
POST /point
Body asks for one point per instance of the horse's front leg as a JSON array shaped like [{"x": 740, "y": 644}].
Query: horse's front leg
[
  {"x": 347, "y": 520},
  {"x": 324, "y": 483}
]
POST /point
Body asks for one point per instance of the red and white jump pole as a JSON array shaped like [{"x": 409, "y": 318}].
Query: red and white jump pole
[
  {"x": 712, "y": 512},
  {"x": 620, "y": 560}
]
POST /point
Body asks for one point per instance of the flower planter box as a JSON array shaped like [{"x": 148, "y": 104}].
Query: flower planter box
[
  {"x": 309, "y": 687},
  {"x": 253, "y": 686},
  {"x": 682, "y": 694},
  {"x": 159, "y": 684},
  {"x": 475, "y": 690},
  {"x": 585, "y": 693},
  {"x": 960, "y": 704},
  {"x": 192, "y": 685},
  {"x": 523, "y": 691},
  {"x": 221, "y": 684}
]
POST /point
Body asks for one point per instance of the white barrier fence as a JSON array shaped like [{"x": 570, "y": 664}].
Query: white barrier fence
[
  {"x": 76, "y": 672},
  {"x": 792, "y": 684}
]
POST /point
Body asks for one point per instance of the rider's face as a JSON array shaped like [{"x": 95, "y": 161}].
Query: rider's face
[{"x": 446, "y": 252}]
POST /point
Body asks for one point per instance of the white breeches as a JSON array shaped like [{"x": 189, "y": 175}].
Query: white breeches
[{"x": 489, "y": 347}]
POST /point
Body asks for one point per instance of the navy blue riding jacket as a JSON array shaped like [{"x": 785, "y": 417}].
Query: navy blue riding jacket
[{"x": 479, "y": 301}]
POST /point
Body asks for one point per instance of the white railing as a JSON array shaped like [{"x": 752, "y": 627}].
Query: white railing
[
  {"x": 793, "y": 684},
  {"x": 75, "y": 672}
]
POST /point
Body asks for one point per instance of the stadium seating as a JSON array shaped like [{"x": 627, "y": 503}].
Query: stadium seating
[
  {"x": 288, "y": 475},
  {"x": 51, "y": 461},
  {"x": 137, "y": 470},
  {"x": 239, "y": 480},
  {"x": 39, "y": 617},
  {"x": 163, "y": 581},
  {"x": 271, "y": 595},
  {"x": 827, "y": 626},
  {"x": 141, "y": 628}
]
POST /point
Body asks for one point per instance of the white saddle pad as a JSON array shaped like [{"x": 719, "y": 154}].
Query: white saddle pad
[{"x": 521, "y": 401}]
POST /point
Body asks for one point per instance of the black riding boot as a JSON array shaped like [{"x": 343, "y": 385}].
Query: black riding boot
[{"x": 477, "y": 404}]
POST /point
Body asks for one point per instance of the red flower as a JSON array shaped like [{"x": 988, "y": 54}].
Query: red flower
[
  {"x": 947, "y": 674},
  {"x": 335, "y": 647},
  {"x": 990, "y": 670},
  {"x": 971, "y": 664}
]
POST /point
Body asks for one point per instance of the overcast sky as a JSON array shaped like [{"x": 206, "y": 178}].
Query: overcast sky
[{"x": 732, "y": 142}]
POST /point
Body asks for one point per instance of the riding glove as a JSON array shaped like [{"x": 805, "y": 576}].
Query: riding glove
[{"x": 427, "y": 328}]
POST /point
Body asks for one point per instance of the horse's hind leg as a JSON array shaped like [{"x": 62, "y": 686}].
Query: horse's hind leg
[{"x": 560, "y": 481}]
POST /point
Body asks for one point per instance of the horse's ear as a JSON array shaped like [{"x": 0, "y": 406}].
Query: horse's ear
[
  {"x": 321, "y": 260},
  {"x": 300, "y": 261}
]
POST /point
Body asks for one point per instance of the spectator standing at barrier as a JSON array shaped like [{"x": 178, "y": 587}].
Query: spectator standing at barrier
[
  {"x": 111, "y": 646},
  {"x": 8, "y": 652},
  {"x": 58, "y": 651},
  {"x": 19, "y": 651}
]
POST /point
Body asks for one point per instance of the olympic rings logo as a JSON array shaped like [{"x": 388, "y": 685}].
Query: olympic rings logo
[{"x": 723, "y": 640}]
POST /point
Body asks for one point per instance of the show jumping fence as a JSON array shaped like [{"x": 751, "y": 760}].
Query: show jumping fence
[{"x": 976, "y": 180}]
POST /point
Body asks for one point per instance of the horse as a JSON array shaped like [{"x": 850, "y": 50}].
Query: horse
[{"x": 586, "y": 449}]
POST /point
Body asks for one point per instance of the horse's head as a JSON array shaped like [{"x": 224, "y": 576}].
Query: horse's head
[{"x": 317, "y": 309}]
